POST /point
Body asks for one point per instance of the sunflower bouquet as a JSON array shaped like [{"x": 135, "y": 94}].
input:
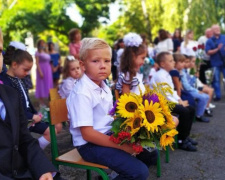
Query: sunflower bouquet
[{"x": 145, "y": 120}]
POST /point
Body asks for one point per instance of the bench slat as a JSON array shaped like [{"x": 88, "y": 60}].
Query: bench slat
[{"x": 74, "y": 157}]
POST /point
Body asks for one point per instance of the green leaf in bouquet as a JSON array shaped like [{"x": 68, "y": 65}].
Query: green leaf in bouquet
[
  {"x": 116, "y": 125},
  {"x": 125, "y": 140},
  {"x": 147, "y": 143},
  {"x": 143, "y": 133},
  {"x": 132, "y": 139}
]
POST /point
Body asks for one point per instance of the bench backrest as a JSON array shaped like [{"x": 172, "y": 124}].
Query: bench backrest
[
  {"x": 58, "y": 111},
  {"x": 53, "y": 93}
]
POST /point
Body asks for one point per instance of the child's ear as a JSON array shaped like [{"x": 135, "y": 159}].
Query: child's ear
[
  {"x": 82, "y": 65},
  {"x": 14, "y": 64},
  {"x": 162, "y": 64}
]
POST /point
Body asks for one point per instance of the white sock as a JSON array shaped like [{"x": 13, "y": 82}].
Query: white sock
[{"x": 43, "y": 142}]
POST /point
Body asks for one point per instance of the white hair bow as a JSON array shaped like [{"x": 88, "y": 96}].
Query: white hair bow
[
  {"x": 18, "y": 45},
  {"x": 132, "y": 39}
]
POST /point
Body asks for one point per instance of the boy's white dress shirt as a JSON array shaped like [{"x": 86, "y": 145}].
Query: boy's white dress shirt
[
  {"x": 89, "y": 105},
  {"x": 162, "y": 76}
]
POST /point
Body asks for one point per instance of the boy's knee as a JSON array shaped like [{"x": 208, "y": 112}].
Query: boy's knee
[{"x": 142, "y": 173}]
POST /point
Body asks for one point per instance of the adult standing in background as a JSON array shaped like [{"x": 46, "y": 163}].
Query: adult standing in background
[
  {"x": 119, "y": 52},
  {"x": 188, "y": 44},
  {"x": 75, "y": 42},
  {"x": 215, "y": 49},
  {"x": 206, "y": 58},
  {"x": 55, "y": 63},
  {"x": 177, "y": 40},
  {"x": 44, "y": 80},
  {"x": 165, "y": 43}
]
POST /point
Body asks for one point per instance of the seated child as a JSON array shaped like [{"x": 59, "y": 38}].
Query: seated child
[
  {"x": 71, "y": 72},
  {"x": 185, "y": 112},
  {"x": 196, "y": 83},
  {"x": 20, "y": 63},
  {"x": 130, "y": 80},
  {"x": 88, "y": 105},
  {"x": 200, "y": 97},
  {"x": 176, "y": 77}
]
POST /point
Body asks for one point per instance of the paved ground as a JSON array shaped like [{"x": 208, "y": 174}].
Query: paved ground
[{"x": 208, "y": 163}]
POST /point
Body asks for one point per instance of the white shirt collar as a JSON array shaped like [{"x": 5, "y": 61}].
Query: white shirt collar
[{"x": 93, "y": 85}]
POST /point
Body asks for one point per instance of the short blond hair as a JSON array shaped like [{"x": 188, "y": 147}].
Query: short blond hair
[
  {"x": 1, "y": 36},
  {"x": 92, "y": 44}
]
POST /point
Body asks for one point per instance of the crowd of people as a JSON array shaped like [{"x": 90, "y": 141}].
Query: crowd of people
[{"x": 182, "y": 63}]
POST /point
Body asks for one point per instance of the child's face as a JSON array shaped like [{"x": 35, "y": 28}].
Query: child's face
[
  {"x": 77, "y": 37},
  {"x": 180, "y": 65},
  {"x": 21, "y": 70},
  {"x": 1, "y": 57},
  {"x": 168, "y": 63},
  {"x": 97, "y": 64},
  {"x": 191, "y": 35},
  {"x": 187, "y": 63},
  {"x": 74, "y": 69},
  {"x": 192, "y": 63},
  {"x": 139, "y": 60}
]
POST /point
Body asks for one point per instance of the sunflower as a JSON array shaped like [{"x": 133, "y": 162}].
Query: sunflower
[
  {"x": 168, "y": 138},
  {"x": 134, "y": 123},
  {"x": 152, "y": 115},
  {"x": 127, "y": 105},
  {"x": 166, "y": 112}
]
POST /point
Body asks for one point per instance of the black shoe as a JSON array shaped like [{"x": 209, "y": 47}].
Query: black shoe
[
  {"x": 187, "y": 146},
  {"x": 202, "y": 119},
  {"x": 192, "y": 141},
  {"x": 208, "y": 113},
  {"x": 216, "y": 99}
]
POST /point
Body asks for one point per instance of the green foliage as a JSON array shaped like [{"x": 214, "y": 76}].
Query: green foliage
[
  {"x": 167, "y": 14},
  {"x": 48, "y": 19},
  {"x": 116, "y": 125}
]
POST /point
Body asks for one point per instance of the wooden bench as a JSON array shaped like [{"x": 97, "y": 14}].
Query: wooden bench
[
  {"x": 53, "y": 94},
  {"x": 58, "y": 114}
]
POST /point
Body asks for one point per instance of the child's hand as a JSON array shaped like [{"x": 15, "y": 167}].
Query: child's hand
[
  {"x": 37, "y": 118},
  {"x": 183, "y": 103},
  {"x": 46, "y": 176},
  {"x": 127, "y": 148}
]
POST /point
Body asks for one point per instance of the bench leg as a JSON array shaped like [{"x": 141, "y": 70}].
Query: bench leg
[
  {"x": 158, "y": 165},
  {"x": 167, "y": 154},
  {"x": 88, "y": 174}
]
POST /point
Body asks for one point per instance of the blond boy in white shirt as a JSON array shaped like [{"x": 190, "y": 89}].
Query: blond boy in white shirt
[{"x": 88, "y": 105}]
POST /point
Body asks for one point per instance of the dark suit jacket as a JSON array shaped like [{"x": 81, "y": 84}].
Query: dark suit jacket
[
  {"x": 20, "y": 154},
  {"x": 7, "y": 81}
]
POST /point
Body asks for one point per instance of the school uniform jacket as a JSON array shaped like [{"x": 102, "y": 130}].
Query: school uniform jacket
[
  {"x": 20, "y": 154},
  {"x": 29, "y": 112}
]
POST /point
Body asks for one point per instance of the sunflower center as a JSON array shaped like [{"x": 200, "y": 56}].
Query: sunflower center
[
  {"x": 131, "y": 106},
  {"x": 150, "y": 116},
  {"x": 137, "y": 123}
]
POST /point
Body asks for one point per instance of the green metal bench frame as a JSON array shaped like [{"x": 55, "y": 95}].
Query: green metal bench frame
[{"x": 57, "y": 113}]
